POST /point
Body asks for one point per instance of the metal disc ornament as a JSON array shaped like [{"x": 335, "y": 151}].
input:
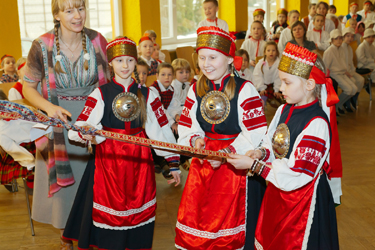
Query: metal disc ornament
[
  {"x": 215, "y": 107},
  {"x": 281, "y": 141},
  {"x": 126, "y": 107}
]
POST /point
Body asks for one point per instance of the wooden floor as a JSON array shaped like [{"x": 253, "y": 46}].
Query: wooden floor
[{"x": 356, "y": 215}]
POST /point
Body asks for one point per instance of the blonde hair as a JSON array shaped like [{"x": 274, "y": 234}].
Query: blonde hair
[
  {"x": 293, "y": 11},
  {"x": 270, "y": 43},
  {"x": 150, "y": 33},
  {"x": 180, "y": 63},
  {"x": 20, "y": 61},
  {"x": 61, "y": 5}
]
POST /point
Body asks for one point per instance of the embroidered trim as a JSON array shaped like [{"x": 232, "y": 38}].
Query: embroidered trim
[
  {"x": 72, "y": 98},
  {"x": 209, "y": 235},
  {"x": 46, "y": 71},
  {"x": 105, "y": 226},
  {"x": 124, "y": 213},
  {"x": 257, "y": 244},
  {"x": 181, "y": 248}
]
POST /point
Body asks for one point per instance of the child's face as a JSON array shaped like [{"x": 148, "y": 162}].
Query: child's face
[
  {"x": 348, "y": 38},
  {"x": 293, "y": 88},
  {"x": 155, "y": 54},
  {"x": 281, "y": 18},
  {"x": 213, "y": 64},
  {"x": 245, "y": 62},
  {"x": 293, "y": 18},
  {"x": 319, "y": 22},
  {"x": 142, "y": 73},
  {"x": 123, "y": 66},
  {"x": 312, "y": 10},
  {"x": 182, "y": 75},
  {"x": 271, "y": 52},
  {"x": 259, "y": 18},
  {"x": 366, "y": 7},
  {"x": 298, "y": 32},
  {"x": 337, "y": 41},
  {"x": 72, "y": 19},
  {"x": 332, "y": 11},
  {"x": 361, "y": 28},
  {"x": 353, "y": 9},
  {"x": 210, "y": 10},
  {"x": 370, "y": 39},
  {"x": 256, "y": 30},
  {"x": 353, "y": 24},
  {"x": 9, "y": 65},
  {"x": 321, "y": 10},
  {"x": 146, "y": 49},
  {"x": 165, "y": 77}
]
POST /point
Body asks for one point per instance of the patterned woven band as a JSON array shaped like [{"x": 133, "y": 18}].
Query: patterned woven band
[{"x": 121, "y": 50}]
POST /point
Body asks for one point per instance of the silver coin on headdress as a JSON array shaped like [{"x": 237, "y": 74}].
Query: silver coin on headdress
[
  {"x": 279, "y": 29},
  {"x": 126, "y": 107},
  {"x": 281, "y": 141},
  {"x": 215, "y": 107}
]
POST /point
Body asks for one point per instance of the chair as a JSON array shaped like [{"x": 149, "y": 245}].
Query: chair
[
  {"x": 29, "y": 191},
  {"x": 365, "y": 73},
  {"x": 239, "y": 43},
  {"x": 185, "y": 53},
  {"x": 258, "y": 58},
  {"x": 150, "y": 80},
  {"x": 167, "y": 55},
  {"x": 5, "y": 87}
]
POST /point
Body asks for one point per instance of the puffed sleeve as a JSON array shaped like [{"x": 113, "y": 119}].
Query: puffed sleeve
[
  {"x": 258, "y": 78},
  {"x": 309, "y": 153},
  {"x": 188, "y": 127},
  {"x": 251, "y": 119},
  {"x": 157, "y": 128},
  {"x": 14, "y": 95},
  {"x": 91, "y": 115}
]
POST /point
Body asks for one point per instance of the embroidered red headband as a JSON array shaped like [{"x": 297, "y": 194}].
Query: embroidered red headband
[
  {"x": 121, "y": 47},
  {"x": 21, "y": 66}
]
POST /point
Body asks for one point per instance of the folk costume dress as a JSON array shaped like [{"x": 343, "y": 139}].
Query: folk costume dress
[
  {"x": 116, "y": 201},
  {"x": 298, "y": 210},
  {"x": 219, "y": 207}
]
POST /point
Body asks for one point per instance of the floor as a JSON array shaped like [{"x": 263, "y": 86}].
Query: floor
[{"x": 356, "y": 220}]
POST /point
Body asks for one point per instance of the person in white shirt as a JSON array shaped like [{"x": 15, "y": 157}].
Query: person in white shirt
[
  {"x": 335, "y": 60},
  {"x": 258, "y": 15},
  {"x": 255, "y": 45},
  {"x": 274, "y": 34},
  {"x": 312, "y": 13},
  {"x": 348, "y": 35},
  {"x": 210, "y": 8},
  {"x": 181, "y": 82},
  {"x": 286, "y": 34},
  {"x": 353, "y": 8},
  {"x": 366, "y": 53},
  {"x": 266, "y": 74},
  {"x": 146, "y": 49},
  {"x": 317, "y": 35},
  {"x": 152, "y": 35},
  {"x": 335, "y": 20},
  {"x": 366, "y": 13},
  {"x": 245, "y": 72},
  {"x": 322, "y": 8}
]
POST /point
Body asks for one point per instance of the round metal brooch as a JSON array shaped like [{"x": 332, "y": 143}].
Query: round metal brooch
[
  {"x": 126, "y": 107},
  {"x": 215, "y": 107},
  {"x": 281, "y": 141}
]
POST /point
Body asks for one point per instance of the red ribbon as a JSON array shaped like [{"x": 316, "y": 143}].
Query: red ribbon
[
  {"x": 237, "y": 62},
  {"x": 21, "y": 66}
]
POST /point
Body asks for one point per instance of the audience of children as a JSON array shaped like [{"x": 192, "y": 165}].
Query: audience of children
[
  {"x": 266, "y": 74},
  {"x": 258, "y": 15},
  {"x": 335, "y": 60},
  {"x": 348, "y": 36},
  {"x": 245, "y": 72},
  {"x": 142, "y": 70},
  {"x": 353, "y": 8},
  {"x": 317, "y": 35},
  {"x": 366, "y": 13},
  {"x": 322, "y": 8},
  {"x": 366, "y": 53},
  {"x": 210, "y": 8},
  {"x": 146, "y": 48},
  {"x": 286, "y": 34},
  {"x": 312, "y": 12},
  {"x": 299, "y": 31},
  {"x": 8, "y": 66},
  {"x": 280, "y": 25},
  {"x": 15, "y": 93},
  {"x": 152, "y": 35}
]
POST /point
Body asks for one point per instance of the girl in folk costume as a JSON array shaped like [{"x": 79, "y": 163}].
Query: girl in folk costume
[
  {"x": 15, "y": 93},
  {"x": 225, "y": 113},
  {"x": 146, "y": 48},
  {"x": 300, "y": 150},
  {"x": 255, "y": 45},
  {"x": 115, "y": 204},
  {"x": 276, "y": 30},
  {"x": 266, "y": 74}
]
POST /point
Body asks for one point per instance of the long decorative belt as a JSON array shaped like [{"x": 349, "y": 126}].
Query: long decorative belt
[{"x": 15, "y": 111}]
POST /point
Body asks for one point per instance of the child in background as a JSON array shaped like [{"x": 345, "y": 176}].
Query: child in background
[
  {"x": 366, "y": 13},
  {"x": 15, "y": 93},
  {"x": 155, "y": 55},
  {"x": 335, "y": 20},
  {"x": 210, "y": 8},
  {"x": 332, "y": 9},
  {"x": 340, "y": 17},
  {"x": 317, "y": 35},
  {"x": 245, "y": 72},
  {"x": 353, "y": 8},
  {"x": 113, "y": 187},
  {"x": 146, "y": 48},
  {"x": 258, "y": 15},
  {"x": 181, "y": 82},
  {"x": 255, "y": 45},
  {"x": 348, "y": 35},
  {"x": 369, "y": 24},
  {"x": 281, "y": 24},
  {"x": 366, "y": 53},
  {"x": 312, "y": 12},
  {"x": 334, "y": 60},
  {"x": 8, "y": 65},
  {"x": 286, "y": 34},
  {"x": 196, "y": 76},
  {"x": 266, "y": 75},
  {"x": 322, "y": 8},
  {"x": 142, "y": 70},
  {"x": 359, "y": 32},
  {"x": 153, "y": 36}
]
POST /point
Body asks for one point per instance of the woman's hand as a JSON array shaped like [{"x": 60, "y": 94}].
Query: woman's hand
[
  {"x": 57, "y": 112},
  {"x": 240, "y": 161},
  {"x": 254, "y": 154},
  {"x": 176, "y": 178},
  {"x": 263, "y": 92}
]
